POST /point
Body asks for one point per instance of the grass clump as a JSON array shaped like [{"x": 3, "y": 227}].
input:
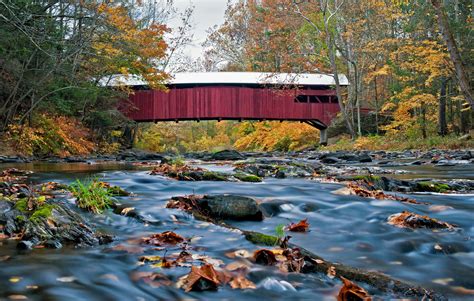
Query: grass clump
[{"x": 92, "y": 196}]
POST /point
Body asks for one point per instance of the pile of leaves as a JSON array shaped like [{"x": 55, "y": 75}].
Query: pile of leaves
[
  {"x": 355, "y": 188},
  {"x": 175, "y": 171},
  {"x": 412, "y": 220},
  {"x": 13, "y": 175}
]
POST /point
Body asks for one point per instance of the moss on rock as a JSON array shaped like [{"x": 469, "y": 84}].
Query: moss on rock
[
  {"x": 248, "y": 178},
  {"x": 428, "y": 186}
]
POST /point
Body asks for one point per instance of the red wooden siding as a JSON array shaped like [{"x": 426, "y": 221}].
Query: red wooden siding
[{"x": 228, "y": 102}]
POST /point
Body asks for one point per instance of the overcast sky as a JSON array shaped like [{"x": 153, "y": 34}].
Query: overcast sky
[{"x": 207, "y": 13}]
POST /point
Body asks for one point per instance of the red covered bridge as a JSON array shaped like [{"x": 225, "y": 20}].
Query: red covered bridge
[{"x": 307, "y": 98}]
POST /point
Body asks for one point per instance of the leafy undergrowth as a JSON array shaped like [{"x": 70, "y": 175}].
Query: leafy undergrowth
[
  {"x": 399, "y": 143},
  {"x": 51, "y": 135}
]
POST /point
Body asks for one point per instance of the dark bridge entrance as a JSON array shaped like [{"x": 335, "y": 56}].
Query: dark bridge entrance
[{"x": 237, "y": 96}]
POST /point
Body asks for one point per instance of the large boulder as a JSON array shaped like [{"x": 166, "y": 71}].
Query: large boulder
[
  {"x": 227, "y": 155},
  {"x": 52, "y": 224},
  {"x": 230, "y": 207}
]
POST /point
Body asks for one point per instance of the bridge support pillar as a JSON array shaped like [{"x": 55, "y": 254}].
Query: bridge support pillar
[
  {"x": 323, "y": 137},
  {"x": 323, "y": 130}
]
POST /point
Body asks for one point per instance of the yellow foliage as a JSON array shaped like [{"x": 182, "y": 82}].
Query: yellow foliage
[
  {"x": 275, "y": 135},
  {"x": 51, "y": 135}
]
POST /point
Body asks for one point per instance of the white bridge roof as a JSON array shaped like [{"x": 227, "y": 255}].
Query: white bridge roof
[{"x": 190, "y": 78}]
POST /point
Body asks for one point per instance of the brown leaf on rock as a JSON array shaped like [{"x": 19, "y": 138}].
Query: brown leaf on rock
[
  {"x": 412, "y": 220},
  {"x": 294, "y": 260},
  {"x": 165, "y": 238},
  {"x": 352, "y": 292},
  {"x": 201, "y": 279},
  {"x": 240, "y": 282},
  {"x": 301, "y": 226},
  {"x": 265, "y": 257},
  {"x": 187, "y": 203}
]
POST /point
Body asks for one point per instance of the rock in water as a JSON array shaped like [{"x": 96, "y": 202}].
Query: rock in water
[
  {"x": 228, "y": 155},
  {"x": 53, "y": 224},
  {"x": 230, "y": 207}
]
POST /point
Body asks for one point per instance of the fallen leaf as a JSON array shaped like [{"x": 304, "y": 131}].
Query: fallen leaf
[
  {"x": 150, "y": 258},
  {"x": 352, "y": 292},
  {"x": 32, "y": 287},
  {"x": 235, "y": 265},
  {"x": 201, "y": 279},
  {"x": 331, "y": 273},
  {"x": 238, "y": 253},
  {"x": 265, "y": 257},
  {"x": 151, "y": 278},
  {"x": 353, "y": 188},
  {"x": 15, "y": 279},
  {"x": 240, "y": 282},
  {"x": 207, "y": 259},
  {"x": 301, "y": 226},
  {"x": 17, "y": 297},
  {"x": 165, "y": 238},
  {"x": 463, "y": 290},
  {"x": 127, "y": 210}
]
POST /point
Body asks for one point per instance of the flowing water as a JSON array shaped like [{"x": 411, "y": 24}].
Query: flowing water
[{"x": 345, "y": 229}]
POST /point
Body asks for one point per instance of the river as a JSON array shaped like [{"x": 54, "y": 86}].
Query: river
[{"x": 346, "y": 229}]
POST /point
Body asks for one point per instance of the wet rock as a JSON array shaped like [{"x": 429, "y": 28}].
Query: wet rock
[
  {"x": 53, "y": 223},
  {"x": 365, "y": 158},
  {"x": 227, "y": 155},
  {"x": 330, "y": 160},
  {"x": 24, "y": 245},
  {"x": 53, "y": 244},
  {"x": 280, "y": 174},
  {"x": 231, "y": 207},
  {"x": 138, "y": 155}
]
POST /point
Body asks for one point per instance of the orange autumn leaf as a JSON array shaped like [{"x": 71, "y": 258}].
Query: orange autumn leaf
[
  {"x": 165, "y": 238},
  {"x": 353, "y": 292},
  {"x": 240, "y": 282},
  {"x": 301, "y": 226},
  {"x": 202, "y": 278}
]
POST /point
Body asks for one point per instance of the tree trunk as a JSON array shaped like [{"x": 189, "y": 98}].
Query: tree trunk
[
  {"x": 332, "y": 59},
  {"x": 448, "y": 37},
  {"x": 443, "y": 129}
]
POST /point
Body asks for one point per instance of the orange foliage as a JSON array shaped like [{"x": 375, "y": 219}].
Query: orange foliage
[{"x": 52, "y": 135}]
